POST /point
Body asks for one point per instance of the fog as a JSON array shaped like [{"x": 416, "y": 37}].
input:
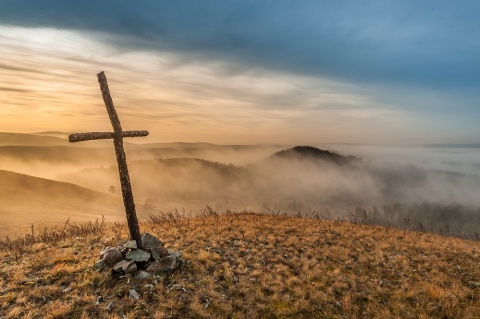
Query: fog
[
  {"x": 294, "y": 184},
  {"x": 465, "y": 160},
  {"x": 389, "y": 184}
]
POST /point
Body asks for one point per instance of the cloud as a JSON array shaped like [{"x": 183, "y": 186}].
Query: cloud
[
  {"x": 429, "y": 43},
  {"x": 310, "y": 68},
  {"x": 197, "y": 101}
]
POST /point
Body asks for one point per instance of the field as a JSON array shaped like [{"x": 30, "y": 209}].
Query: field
[{"x": 245, "y": 265}]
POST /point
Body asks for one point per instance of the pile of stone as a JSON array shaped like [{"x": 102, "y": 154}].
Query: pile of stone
[{"x": 153, "y": 258}]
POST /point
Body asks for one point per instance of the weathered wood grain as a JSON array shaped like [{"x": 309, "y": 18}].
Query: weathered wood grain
[{"x": 117, "y": 135}]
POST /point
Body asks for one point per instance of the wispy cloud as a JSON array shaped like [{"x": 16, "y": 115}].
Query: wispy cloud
[
  {"x": 428, "y": 42},
  {"x": 156, "y": 91},
  {"x": 312, "y": 68}
]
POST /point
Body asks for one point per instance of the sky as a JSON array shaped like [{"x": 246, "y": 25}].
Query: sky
[{"x": 245, "y": 72}]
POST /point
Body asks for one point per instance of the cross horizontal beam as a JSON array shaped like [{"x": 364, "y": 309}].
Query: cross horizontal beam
[{"x": 80, "y": 137}]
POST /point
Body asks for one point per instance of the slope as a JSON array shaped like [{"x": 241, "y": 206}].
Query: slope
[
  {"x": 26, "y": 200},
  {"x": 21, "y": 139},
  {"x": 247, "y": 265}
]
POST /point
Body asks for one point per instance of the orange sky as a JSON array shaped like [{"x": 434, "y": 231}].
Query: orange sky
[{"x": 48, "y": 82}]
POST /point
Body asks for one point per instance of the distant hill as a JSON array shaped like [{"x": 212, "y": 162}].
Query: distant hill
[
  {"x": 16, "y": 188},
  {"x": 179, "y": 178},
  {"x": 200, "y": 146},
  {"x": 46, "y": 139},
  {"x": 55, "y": 154},
  {"x": 26, "y": 200},
  {"x": 310, "y": 152},
  {"x": 452, "y": 145},
  {"x": 38, "y": 147},
  {"x": 63, "y": 135},
  {"x": 21, "y": 139}
]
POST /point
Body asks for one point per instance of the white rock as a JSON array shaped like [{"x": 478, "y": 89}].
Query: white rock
[{"x": 133, "y": 294}]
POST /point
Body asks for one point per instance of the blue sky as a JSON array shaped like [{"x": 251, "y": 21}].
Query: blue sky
[{"x": 390, "y": 72}]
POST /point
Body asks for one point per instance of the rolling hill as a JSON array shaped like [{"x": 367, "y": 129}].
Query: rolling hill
[
  {"x": 20, "y": 139},
  {"x": 313, "y": 153},
  {"x": 302, "y": 179},
  {"x": 171, "y": 179},
  {"x": 27, "y": 200}
]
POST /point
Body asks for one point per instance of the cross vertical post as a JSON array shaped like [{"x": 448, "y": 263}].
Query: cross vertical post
[{"x": 117, "y": 135}]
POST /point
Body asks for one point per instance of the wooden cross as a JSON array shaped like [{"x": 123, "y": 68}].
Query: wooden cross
[{"x": 117, "y": 137}]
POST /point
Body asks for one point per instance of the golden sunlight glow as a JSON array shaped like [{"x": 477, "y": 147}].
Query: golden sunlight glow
[{"x": 46, "y": 86}]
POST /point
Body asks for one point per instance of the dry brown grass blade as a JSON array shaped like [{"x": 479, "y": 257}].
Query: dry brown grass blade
[{"x": 245, "y": 265}]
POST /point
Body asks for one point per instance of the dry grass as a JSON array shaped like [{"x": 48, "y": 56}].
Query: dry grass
[{"x": 246, "y": 265}]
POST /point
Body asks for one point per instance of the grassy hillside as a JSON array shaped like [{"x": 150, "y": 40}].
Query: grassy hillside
[
  {"x": 90, "y": 153},
  {"x": 26, "y": 200},
  {"x": 50, "y": 157},
  {"x": 246, "y": 265}
]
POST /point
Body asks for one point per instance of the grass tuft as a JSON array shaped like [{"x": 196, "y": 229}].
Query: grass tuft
[{"x": 245, "y": 265}]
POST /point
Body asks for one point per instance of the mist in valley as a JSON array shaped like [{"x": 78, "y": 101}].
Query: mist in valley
[{"x": 430, "y": 187}]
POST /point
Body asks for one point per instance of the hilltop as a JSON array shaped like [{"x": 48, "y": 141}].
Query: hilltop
[
  {"x": 310, "y": 152},
  {"x": 246, "y": 265}
]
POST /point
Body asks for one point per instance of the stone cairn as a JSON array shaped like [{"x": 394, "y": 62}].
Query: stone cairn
[{"x": 154, "y": 258}]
